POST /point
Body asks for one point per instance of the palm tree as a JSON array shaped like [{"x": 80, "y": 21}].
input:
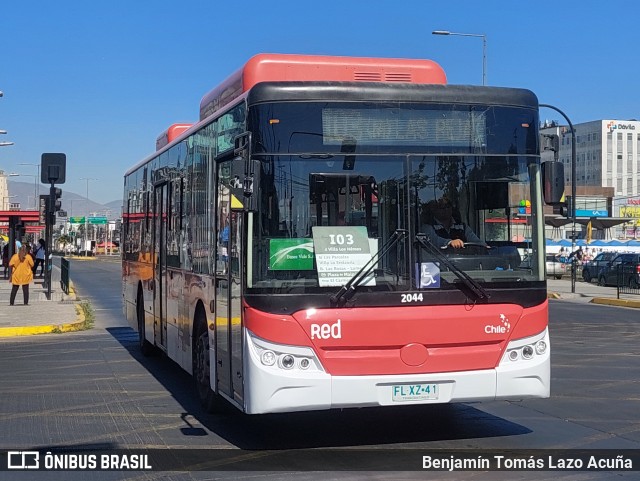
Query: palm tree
[{"x": 64, "y": 240}]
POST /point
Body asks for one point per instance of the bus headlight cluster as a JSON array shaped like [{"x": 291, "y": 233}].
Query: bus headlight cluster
[
  {"x": 287, "y": 358},
  {"x": 528, "y": 351}
]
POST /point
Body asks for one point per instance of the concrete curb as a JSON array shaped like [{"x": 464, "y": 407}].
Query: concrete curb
[
  {"x": 615, "y": 302},
  {"x": 77, "y": 325},
  {"x": 553, "y": 295}
]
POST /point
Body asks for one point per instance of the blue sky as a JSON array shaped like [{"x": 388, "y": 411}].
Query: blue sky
[{"x": 100, "y": 80}]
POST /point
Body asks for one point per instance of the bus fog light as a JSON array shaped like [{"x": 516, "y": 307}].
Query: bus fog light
[
  {"x": 527, "y": 352},
  {"x": 287, "y": 361},
  {"x": 268, "y": 358},
  {"x": 304, "y": 363},
  {"x": 541, "y": 347},
  {"x": 513, "y": 355}
]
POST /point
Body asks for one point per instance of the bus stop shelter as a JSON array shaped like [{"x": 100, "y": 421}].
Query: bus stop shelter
[{"x": 17, "y": 223}]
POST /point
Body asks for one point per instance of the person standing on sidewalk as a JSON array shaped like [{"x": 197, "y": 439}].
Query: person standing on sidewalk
[
  {"x": 21, "y": 274},
  {"x": 5, "y": 260},
  {"x": 39, "y": 252}
]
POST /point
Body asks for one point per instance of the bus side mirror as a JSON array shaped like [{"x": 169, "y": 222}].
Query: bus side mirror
[
  {"x": 245, "y": 182},
  {"x": 553, "y": 182},
  {"x": 245, "y": 175}
]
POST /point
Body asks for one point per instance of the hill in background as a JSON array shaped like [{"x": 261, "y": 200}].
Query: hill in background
[{"x": 75, "y": 205}]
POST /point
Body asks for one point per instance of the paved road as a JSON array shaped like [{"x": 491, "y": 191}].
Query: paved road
[{"x": 93, "y": 389}]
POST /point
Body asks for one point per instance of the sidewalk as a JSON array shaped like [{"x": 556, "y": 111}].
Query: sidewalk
[
  {"x": 60, "y": 314},
  {"x": 561, "y": 289}
]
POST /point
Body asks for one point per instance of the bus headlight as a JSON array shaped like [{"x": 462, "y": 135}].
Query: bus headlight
[
  {"x": 268, "y": 358},
  {"x": 526, "y": 349},
  {"x": 287, "y": 361},
  {"x": 283, "y": 357}
]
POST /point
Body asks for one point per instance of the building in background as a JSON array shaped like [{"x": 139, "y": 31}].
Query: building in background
[
  {"x": 4, "y": 191},
  {"x": 608, "y": 170}
]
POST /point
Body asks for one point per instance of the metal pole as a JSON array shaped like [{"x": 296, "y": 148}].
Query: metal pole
[
  {"x": 86, "y": 222},
  {"x": 573, "y": 191},
  {"x": 35, "y": 183},
  {"x": 50, "y": 220},
  {"x": 484, "y": 60},
  {"x": 484, "y": 47},
  {"x": 86, "y": 218}
]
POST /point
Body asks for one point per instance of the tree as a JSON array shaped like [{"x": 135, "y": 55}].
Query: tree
[{"x": 64, "y": 240}]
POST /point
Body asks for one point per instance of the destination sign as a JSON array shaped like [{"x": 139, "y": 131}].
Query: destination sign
[{"x": 403, "y": 126}]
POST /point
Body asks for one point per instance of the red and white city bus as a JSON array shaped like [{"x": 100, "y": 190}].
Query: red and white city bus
[{"x": 282, "y": 251}]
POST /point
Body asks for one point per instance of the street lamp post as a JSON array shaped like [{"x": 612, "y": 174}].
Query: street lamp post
[
  {"x": 573, "y": 190},
  {"x": 4, "y": 143},
  {"x": 484, "y": 47},
  {"x": 35, "y": 191},
  {"x": 86, "y": 217},
  {"x": 35, "y": 183}
]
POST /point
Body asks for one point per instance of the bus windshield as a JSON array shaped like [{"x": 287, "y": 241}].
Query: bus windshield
[{"x": 332, "y": 195}]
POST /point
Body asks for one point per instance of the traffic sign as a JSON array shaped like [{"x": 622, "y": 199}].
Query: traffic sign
[
  {"x": 76, "y": 220},
  {"x": 97, "y": 220}
]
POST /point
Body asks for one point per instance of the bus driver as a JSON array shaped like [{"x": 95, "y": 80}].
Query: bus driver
[{"x": 443, "y": 229}]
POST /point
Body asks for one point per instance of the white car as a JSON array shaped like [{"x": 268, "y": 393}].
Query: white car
[{"x": 556, "y": 268}]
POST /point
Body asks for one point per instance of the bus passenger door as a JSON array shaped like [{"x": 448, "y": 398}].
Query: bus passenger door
[
  {"x": 228, "y": 296},
  {"x": 161, "y": 204},
  {"x": 235, "y": 305}
]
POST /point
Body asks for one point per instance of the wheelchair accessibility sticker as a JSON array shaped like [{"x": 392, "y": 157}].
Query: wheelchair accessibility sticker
[{"x": 428, "y": 275}]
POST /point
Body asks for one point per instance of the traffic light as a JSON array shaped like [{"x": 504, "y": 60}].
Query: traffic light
[
  {"x": 19, "y": 231},
  {"x": 551, "y": 142},
  {"x": 566, "y": 207},
  {"x": 56, "y": 203}
]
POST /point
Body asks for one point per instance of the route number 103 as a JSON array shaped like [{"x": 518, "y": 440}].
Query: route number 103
[{"x": 340, "y": 239}]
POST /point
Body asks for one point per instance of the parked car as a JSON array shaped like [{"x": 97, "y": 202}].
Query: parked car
[
  {"x": 590, "y": 269},
  {"x": 625, "y": 265},
  {"x": 555, "y": 267}
]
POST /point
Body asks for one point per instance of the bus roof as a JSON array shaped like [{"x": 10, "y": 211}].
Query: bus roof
[
  {"x": 291, "y": 68},
  {"x": 169, "y": 135}
]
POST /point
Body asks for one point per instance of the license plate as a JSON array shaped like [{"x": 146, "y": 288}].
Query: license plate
[{"x": 413, "y": 392}]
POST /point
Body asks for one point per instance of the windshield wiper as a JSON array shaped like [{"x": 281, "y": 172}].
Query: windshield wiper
[
  {"x": 467, "y": 280},
  {"x": 347, "y": 291}
]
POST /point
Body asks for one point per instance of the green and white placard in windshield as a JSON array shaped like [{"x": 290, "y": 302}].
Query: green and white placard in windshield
[
  {"x": 340, "y": 254},
  {"x": 291, "y": 254}
]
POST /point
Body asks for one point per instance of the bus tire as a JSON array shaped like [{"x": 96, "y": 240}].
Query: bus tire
[
  {"x": 146, "y": 348},
  {"x": 210, "y": 401}
]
